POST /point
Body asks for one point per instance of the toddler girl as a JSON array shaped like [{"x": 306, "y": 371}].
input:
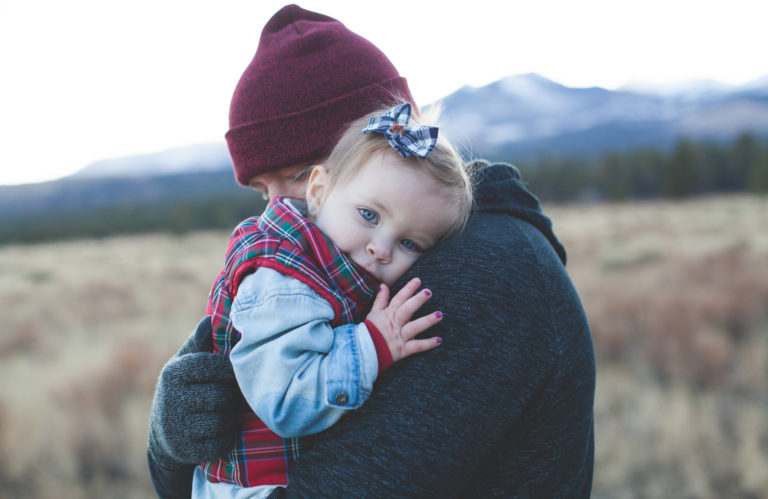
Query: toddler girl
[{"x": 292, "y": 306}]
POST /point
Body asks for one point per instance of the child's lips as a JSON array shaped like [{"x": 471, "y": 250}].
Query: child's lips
[{"x": 367, "y": 269}]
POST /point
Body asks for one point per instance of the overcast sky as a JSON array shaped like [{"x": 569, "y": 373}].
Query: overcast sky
[{"x": 88, "y": 80}]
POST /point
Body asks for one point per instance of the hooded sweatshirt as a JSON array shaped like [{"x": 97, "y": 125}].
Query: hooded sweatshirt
[{"x": 504, "y": 407}]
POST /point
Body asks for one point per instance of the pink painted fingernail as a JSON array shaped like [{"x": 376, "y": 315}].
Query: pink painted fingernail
[
  {"x": 439, "y": 315},
  {"x": 438, "y": 340},
  {"x": 427, "y": 292}
]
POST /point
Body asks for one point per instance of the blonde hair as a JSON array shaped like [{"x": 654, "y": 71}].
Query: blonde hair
[{"x": 444, "y": 163}]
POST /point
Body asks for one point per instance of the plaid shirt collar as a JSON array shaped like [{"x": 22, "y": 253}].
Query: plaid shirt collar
[{"x": 286, "y": 218}]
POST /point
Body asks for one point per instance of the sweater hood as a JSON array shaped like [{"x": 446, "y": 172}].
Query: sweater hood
[{"x": 498, "y": 189}]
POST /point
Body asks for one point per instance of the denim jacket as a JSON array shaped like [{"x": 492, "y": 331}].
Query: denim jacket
[{"x": 298, "y": 374}]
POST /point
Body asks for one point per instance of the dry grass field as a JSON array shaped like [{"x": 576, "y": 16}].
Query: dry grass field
[{"x": 676, "y": 293}]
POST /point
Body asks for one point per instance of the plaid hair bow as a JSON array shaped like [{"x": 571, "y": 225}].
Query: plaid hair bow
[{"x": 406, "y": 140}]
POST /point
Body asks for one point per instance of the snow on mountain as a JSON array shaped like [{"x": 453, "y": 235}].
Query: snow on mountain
[
  {"x": 536, "y": 91},
  {"x": 193, "y": 158},
  {"x": 756, "y": 87},
  {"x": 689, "y": 89},
  {"x": 531, "y": 115},
  {"x": 530, "y": 107}
]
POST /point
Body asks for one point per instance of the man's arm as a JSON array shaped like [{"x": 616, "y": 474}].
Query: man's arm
[
  {"x": 429, "y": 426},
  {"x": 433, "y": 420},
  {"x": 194, "y": 413},
  {"x": 436, "y": 425}
]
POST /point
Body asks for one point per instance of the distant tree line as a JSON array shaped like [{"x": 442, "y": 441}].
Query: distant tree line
[
  {"x": 178, "y": 217},
  {"x": 73, "y": 209},
  {"x": 184, "y": 203},
  {"x": 690, "y": 168}
]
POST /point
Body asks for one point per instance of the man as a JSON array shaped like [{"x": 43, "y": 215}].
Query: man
[{"x": 502, "y": 409}]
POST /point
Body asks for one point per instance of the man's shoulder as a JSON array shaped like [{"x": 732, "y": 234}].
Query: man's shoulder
[
  {"x": 501, "y": 242},
  {"x": 496, "y": 261},
  {"x": 503, "y": 270}
]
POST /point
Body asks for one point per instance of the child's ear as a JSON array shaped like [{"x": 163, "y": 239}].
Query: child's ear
[{"x": 317, "y": 186}]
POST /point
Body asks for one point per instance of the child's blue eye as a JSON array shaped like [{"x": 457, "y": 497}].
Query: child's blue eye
[
  {"x": 368, "y": 215},
  {"x": 410, "y": 245}
]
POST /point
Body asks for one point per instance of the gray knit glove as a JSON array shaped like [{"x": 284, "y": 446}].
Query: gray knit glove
[{"x": 194, "y": 411}]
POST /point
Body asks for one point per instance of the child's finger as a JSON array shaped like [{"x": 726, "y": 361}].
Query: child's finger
[
  {"x": 421, "y": 324},
  {"x": 419, "y": 346},
  {"x": 382, "y": 298},
  {"x": 411, "y": 305},
  {"x": 405, "y": 293}
]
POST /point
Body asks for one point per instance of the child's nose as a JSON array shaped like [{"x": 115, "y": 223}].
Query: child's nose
[{"x": 380, "y": 250}]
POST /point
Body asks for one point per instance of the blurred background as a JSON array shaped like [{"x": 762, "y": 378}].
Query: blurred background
[{"x": 642, "y": 127}]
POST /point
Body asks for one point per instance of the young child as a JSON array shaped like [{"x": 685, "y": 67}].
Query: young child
[{"x": 291, "y": 306}]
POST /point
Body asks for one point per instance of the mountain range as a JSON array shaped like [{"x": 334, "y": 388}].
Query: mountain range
[
  {"x": 527, "y": 116},
  {"x": 515, "y": 119}
]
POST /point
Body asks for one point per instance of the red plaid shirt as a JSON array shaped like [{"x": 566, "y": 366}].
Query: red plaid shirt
[{"x": 285, "y": 241}]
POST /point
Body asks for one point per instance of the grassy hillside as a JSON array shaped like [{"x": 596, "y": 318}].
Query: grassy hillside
[{"x": 676, "y": 293}]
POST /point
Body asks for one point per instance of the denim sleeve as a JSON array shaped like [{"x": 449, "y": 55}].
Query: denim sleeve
[{"x": 298, "y": 374}]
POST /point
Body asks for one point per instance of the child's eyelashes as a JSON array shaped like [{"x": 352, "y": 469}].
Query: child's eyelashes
[
  {"x": 411, "y": 246},
  {"x": 368, "y": 215}
]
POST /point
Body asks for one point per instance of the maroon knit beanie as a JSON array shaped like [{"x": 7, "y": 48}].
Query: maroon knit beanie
[{"x": 310, "y": 77}]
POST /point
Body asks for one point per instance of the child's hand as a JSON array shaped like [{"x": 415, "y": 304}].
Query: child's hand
[{"x": 393, "y": 319}]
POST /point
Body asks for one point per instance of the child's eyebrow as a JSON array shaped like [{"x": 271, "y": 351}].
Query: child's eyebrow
[{"x": 380, "y": 206}]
